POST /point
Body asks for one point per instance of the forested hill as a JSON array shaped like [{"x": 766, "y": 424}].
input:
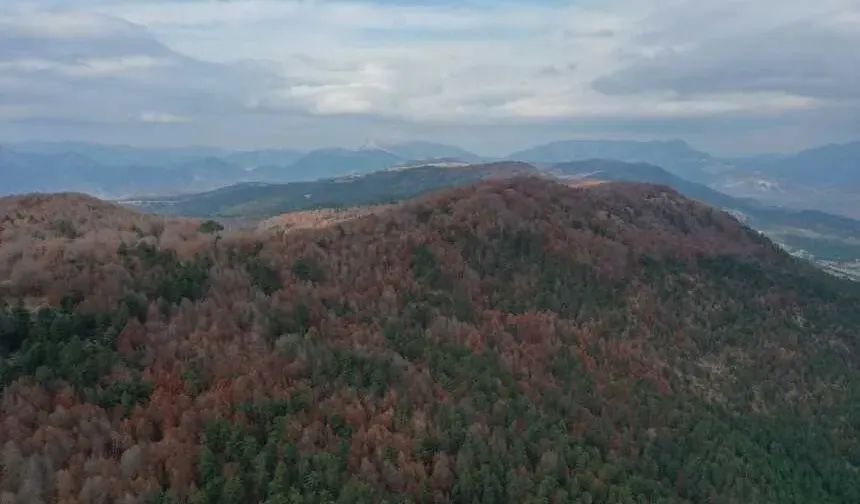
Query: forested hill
[
  {"x": 511, "y": 341},
  {"x": 385, "y": 186}
]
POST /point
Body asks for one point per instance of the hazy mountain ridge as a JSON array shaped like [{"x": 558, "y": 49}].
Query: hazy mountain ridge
[
  {"x": 266, "y": 200},
  {"x": 123, "y": 171},
  {"x": 674, "y": 155},
  {"x": 26, "y": 172},
  {"x": 823, "y": 178}
]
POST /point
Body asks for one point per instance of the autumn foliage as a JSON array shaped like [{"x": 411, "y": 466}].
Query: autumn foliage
[{"x": 511, "y": 341}]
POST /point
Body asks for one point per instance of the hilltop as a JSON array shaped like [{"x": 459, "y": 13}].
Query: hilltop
[
  {"x": 512, "y": 340},
  {"x": 831, "y": 241},
  {"x": 52, "y": 245},
  {"x": 65, "y": 215}
]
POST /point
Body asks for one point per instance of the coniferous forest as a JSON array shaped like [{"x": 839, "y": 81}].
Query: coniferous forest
[{"x": 514, "y": 341}]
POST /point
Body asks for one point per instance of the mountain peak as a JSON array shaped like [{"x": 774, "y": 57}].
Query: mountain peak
[{"x": 373, "y": 144}]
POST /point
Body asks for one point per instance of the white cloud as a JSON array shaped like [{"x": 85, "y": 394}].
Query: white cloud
[
  {"x": 88, "y": 67},
  {"x": 106, "y": 67},
  {"x": 481, "y": 64},
  {"x": 458, "y": 62},
  {"x": 59, "y": 25},
  {"x": 659, "y": 107},
  {"x": 161, "y": 117}
]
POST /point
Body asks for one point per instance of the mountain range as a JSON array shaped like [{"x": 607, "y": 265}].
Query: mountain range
[
  {"x": 825, "y": 178},
  {"x": 122, "y": 171}
]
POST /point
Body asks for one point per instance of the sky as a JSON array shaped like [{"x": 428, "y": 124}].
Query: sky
[{"x": 734, "y": 76}]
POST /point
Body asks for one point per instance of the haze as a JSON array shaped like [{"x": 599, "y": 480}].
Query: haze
[{"x": 731, "y": 76}]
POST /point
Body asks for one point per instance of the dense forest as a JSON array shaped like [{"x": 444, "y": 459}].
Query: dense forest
[{"x": 513, "y": 341}]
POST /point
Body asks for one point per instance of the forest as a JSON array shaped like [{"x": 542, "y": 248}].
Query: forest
[{"x": 510, "y": 341}]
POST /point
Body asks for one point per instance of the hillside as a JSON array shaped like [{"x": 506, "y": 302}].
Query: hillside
[
  {"x": 832, "y": 241},
  {"x": 510, "y": 341},
  {"x": 320, "y": 218},
  {"x": 264, "y": 200},
  {"x": 47, "y": 240}
]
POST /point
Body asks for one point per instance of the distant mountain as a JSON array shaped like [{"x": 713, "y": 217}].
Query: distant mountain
[
  {"x": 428, "y": 150},
  {"x": 254, "y": 159},
  {"x": 116, "y": 171},
  {"x": 327, "y": 163},
  {"x": 28, "y": 172},
  {"x": 675, "y": 155},
  {"x": 601, "y": 169},
  {"x": 24, "y": 172},
  {"x": 825, "y": 178},
  {"x": 263, "y": 200},
  {"x": 336, "y": 162},
  {"x": 835, "y": 165},
  {"x": 121, "y": 155}
]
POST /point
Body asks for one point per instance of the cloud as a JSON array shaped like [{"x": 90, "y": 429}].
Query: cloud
[
  {"x": 60, "y": 25},
  {"x": 274, "y": 68},
  {"x": 805, "y": 52},
  {"x": 90, "y": 67},
  {"x": 85, "y": 67},
  {"x": 161, "y": 118}
]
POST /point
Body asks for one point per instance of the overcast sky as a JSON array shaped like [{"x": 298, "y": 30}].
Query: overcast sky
[{"x": 493, "y": 76}]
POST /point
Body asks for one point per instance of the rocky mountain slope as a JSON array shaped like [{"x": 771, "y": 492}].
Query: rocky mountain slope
[{"x": 509, "y": 341}]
